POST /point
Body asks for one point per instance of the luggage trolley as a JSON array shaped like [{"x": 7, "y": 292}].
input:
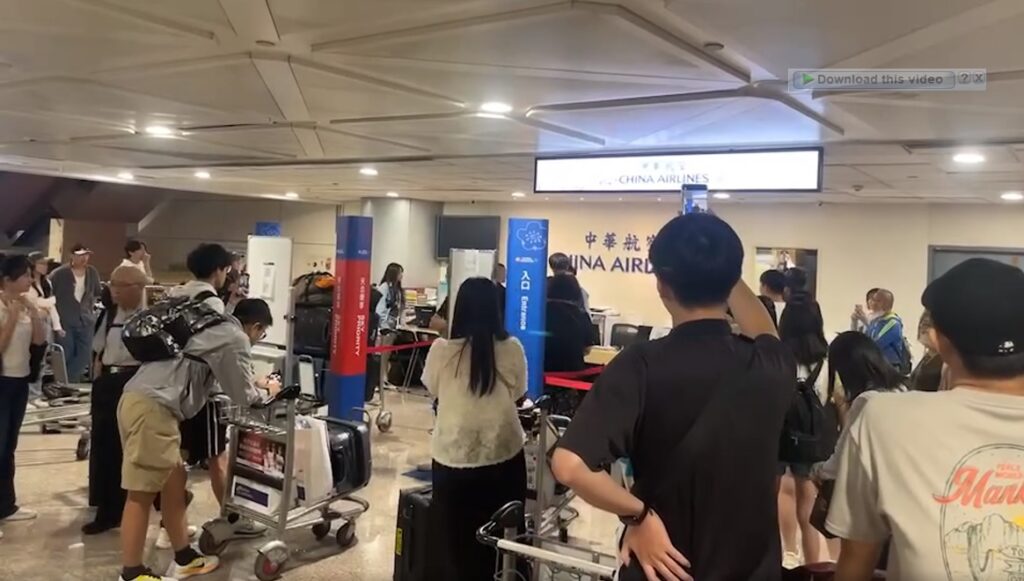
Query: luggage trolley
[
  {"x": 64, "y": 406},
  {"x": 548, "y": 510},
  {"x": 267, "y": 422},
  {"x": 549, "y": 560}
]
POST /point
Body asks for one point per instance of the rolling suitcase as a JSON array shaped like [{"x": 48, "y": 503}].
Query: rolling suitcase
[
  {"x": 349, "y": 444},
  {"x": 412, "y": 535}
]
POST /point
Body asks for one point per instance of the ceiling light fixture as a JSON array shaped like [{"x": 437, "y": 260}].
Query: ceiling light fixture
[
  {"x": 1012, "y": 196},
  {"x": 291, "y": 195},
  {"x": 658, "y": 199},
  {"x": 720, "y": 196},
  {"x": 969, "y": 157},
  {"x": 496, "y": 107},
  {"x": 518, "y": 195},
  {"x": 203, "y": 175},
  {"x": 582, "y": 198},
  {"x": 392, "y": 194},
  {"x": 159, "y": 131},
  {"x": 368, "y": 171},
  {"x": 125, "y": 175}
]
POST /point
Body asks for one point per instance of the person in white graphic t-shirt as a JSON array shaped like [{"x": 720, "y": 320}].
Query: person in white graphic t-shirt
[{"x": 940, "y": 476}]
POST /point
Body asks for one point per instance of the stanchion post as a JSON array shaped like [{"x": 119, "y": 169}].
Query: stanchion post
[
  {"x": 346, "y": 385},
  {"x": 525, "y": 302}
]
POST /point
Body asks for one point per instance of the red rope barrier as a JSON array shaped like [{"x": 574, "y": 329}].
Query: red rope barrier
[
  {"x": 403, "y": 347},
  {"x": 588, "y": 372},
  {"x": 556, "y": 381}
]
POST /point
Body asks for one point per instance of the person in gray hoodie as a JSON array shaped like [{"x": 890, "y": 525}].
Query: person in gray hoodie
[
  {"x": 77, "y": 286},
  {"x": 156, "y": 400}
]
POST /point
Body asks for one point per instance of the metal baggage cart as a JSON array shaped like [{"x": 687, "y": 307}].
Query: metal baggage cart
[
  {"x": 269, "y": 421},
  {"x": 548, "y": 510},
  {"x": 66, "y": 408},
  {"x": 547, "y": 560}
]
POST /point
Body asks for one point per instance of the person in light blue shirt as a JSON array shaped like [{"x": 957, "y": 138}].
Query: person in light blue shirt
[
  {"x": 887, "y": 330},
  {"x": 392, "y": 302}
]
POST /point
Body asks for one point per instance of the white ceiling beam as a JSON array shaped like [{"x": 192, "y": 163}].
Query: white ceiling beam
[
  {"x": 251, "y": 20},
  {"x": 943, "y": 31},
  {"x": 127, "y": 12},
  {"x": 278, "y": 76}
]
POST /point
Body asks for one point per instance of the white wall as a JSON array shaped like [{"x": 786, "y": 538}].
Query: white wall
[
  {"x": 186, "y": 223},
  {"x": 404, "y": 232},
  {"x": 859, "y": 246}
]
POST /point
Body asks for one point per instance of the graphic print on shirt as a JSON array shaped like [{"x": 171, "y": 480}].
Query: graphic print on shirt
[{"x": 982, "y": 515}]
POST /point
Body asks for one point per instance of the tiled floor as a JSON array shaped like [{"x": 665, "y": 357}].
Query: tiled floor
[{"x": 51, "y": 481}]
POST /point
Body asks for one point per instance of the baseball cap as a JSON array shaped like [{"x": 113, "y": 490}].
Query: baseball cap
[
  {"x": 979, "y": 306},
  {"x": 80, "y": 250}
]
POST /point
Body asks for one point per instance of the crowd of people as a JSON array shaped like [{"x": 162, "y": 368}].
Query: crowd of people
[{"x": 149, "y": 418}]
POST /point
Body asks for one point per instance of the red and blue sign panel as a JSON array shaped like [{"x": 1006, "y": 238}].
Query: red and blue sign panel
[
  {"x": 346, "y": 383},
  {"x": 525, "y": 298}
]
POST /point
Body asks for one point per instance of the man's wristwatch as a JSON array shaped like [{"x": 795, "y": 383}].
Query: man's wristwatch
[{"x": 632, "y": 521}]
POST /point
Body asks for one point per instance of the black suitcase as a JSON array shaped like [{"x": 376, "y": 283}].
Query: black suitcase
[
  {"x": 351, "y": 463},
  {"x": 312, "y": 334},
  {"x": 412, "y": 534}
]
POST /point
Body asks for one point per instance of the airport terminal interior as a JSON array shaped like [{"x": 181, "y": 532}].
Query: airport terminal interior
[{"x": 360, "y": 160}]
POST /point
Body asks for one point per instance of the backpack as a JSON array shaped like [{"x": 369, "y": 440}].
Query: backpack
[
  {"x": 162, "y": 331},
  {"x": 806, "y": 435},
  {"x": 906, "y": 363},
  {"x": 314, "y": 289}
]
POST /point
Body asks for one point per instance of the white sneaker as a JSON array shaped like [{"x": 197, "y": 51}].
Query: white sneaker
[
  {"x": 23, "y": 514},
  {"x": 201, "y": 565},
  {"x": 163, "y": 541},
  {"x": 791, "y": 560},
  {"x": 245, "y": 527}
]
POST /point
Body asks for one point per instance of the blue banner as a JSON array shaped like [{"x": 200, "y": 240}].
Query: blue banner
[
  {"x": 268, "y": 228},
  {"x": 350, "y": 317},
  {"x": 527, "y": 293}
]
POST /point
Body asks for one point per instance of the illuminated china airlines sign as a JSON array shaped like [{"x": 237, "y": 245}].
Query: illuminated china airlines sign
[{"x": 790, "y": 170}]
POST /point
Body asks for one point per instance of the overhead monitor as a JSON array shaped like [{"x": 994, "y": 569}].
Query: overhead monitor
[
  {"x": 777, "y": 170},
  {"x": 467, "y": 233}
]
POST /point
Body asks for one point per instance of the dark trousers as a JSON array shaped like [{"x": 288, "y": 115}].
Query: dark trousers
[
  {"x": 13, "y": 401},
  {"x": 105, "y": 492},
  {"x": 464, "y": 499}
]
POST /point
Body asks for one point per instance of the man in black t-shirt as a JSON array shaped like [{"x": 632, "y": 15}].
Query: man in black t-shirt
[{"x": 706, "y": 508}]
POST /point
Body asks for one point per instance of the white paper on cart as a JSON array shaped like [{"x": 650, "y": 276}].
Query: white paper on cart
[{"x": 313, "y": 476}]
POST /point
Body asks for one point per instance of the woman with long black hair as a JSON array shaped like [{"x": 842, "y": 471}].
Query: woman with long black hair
[
  {"x": 22, "y": 337},
  {"x": 801, "y": 329},
  {"x": 477, "y": 376},
  {"x": 392, "y": 301},
  {"x": 857, "y": 372}
]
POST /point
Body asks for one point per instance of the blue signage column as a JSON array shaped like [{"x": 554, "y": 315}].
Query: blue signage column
[
  {"x": 526, "y": 294},
  {"x": 346, "y": 384}
]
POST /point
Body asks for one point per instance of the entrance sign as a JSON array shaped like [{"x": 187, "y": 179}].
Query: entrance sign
[
  {"x": 526, "y": 293},
  {"x": 350, "y": 318},
  {"x": 789, "y": 170}
]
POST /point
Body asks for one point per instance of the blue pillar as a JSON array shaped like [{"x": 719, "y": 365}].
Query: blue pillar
[{"x": 525, "y": 300}]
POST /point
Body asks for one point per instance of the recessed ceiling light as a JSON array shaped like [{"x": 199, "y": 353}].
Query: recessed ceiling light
[
  {"x": 392, "y": 194},
  {"x": 496, "y": 107},
  {"x": 125, "y": 175},
  {"x": 291, "y": 195},
  {"x": 582, "y": 198},
  {"x": 518, "y": 195},
  {"x": 368, "y": 171},
  {"x": 969, "y": 157},
  {"x": 659, "y": 199},
  {"x": 1012, "y": 196},
  {"x": 547, "y": 199},
  {"x": 720, "y": 196},
  {"x": 203, "y": 175},
  {"x": 620, "y": 199},
  {"x": 159, "y": 131}
]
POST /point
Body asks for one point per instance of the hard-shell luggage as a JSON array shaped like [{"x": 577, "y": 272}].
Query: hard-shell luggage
[
  {"x": 349, "y": 444},
  {"x": 312, "y": 334},
  {"x": 412, "y": 534}
]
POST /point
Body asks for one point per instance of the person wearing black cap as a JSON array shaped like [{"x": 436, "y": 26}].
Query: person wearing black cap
[
  {"x": 76, "y": 286},
  {"x": 941, "y": 474}
]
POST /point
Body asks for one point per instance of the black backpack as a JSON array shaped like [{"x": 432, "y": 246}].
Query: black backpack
[
  {"x": 162, "y": 331},
  {"x": 807, "y": 434}
]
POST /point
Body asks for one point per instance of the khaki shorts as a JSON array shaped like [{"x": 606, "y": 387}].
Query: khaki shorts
[{"x": 151, "y": 440}]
